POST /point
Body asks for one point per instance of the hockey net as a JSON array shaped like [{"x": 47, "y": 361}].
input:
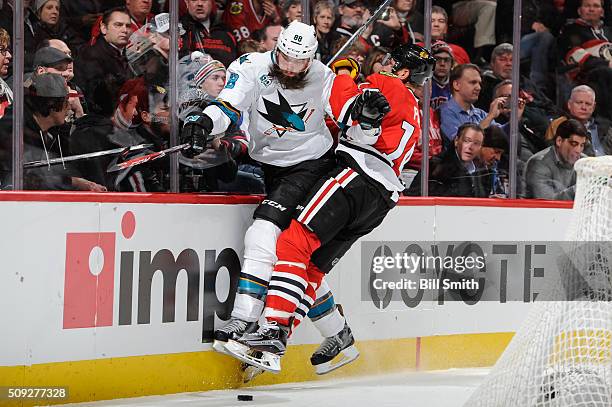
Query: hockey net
[{"x": 562, "y": 354}]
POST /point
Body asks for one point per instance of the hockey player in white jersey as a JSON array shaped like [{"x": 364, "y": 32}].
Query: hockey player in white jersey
[
  {"x": 281, "y": 98},
  {"x": 346, "y": 204}
]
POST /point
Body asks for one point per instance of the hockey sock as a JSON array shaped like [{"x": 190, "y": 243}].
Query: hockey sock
[
  {"x": 259, "y": 258},
  {"x": 290, "y": 279},
  {"x": 315, "y": 276},
  {"x": 324, "y": 313}
]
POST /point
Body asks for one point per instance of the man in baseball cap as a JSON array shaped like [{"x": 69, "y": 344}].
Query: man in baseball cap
[
  {"x": 52, "y": 60},
  {"x": 445, "y": 61},
  {"x": 46, "y": 106}
]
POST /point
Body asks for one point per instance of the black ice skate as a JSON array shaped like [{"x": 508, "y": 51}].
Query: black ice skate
[
  {"x": 263, "y": 348},
  {"x": 234, "y": 328},
  {"x": 335, "y": 351}
]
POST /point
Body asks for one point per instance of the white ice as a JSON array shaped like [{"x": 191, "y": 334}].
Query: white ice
[{"x": 448, "y": 388}]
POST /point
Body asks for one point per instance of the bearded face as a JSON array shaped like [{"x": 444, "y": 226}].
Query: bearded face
[{"x": 292, "y": 81}]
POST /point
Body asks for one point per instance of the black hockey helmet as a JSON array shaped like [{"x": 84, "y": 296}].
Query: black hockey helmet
[{"x": 416, "y": 58}]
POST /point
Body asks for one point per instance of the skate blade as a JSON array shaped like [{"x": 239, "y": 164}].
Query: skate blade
[
  {"x": 344, "y": 357},
  {"x": 268, "y": 361},
  {"x": 250, "y": 372},
  {"x": 220, "y": 347}
]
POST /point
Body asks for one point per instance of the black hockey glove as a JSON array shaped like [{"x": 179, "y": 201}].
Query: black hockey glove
[
  {"x": 196, "y": 131},
  {"x": 370, "y": 108}
]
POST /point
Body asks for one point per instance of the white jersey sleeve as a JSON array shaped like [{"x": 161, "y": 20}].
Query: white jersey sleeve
[
  {"x": 240, "y": 89},
  {"x": 236, "y": 97}
]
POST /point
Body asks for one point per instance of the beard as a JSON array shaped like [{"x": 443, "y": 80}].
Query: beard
[{"x": 288, "y": 82}]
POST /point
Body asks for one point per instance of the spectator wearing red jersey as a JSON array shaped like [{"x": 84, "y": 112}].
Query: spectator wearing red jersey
[
  {"x": 243, "y": 17},
  {"x": 203, "y": 34}
]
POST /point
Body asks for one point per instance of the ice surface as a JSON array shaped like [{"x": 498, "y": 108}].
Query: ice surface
[{"x": 448, "y": 388}]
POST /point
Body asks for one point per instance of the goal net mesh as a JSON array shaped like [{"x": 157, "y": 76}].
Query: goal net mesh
[{"x": 562, "y": 353}]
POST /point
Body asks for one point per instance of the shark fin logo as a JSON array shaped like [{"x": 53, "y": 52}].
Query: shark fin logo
[{"x": 284, "y": 116}]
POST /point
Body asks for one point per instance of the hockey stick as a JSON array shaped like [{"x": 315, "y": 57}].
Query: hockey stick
[
  {"x": 360, "y": 31},
  {"x": 146, "y": 158},
  {"x": 54, "y": 161}
]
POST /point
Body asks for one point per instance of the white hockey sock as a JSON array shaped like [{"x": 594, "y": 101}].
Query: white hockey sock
[
  {"x": 324, "y": 313},
  {"x": 259, "y": 258},
  {"x": 330, "y": 324}
]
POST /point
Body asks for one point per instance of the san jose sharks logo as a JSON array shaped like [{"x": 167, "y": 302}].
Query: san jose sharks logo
[{"x": 285, "y": 117}]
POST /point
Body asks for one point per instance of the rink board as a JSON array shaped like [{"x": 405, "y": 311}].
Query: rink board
[{"x": 118, "y": 298}]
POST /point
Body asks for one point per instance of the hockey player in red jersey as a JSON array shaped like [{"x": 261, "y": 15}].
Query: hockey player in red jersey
[{"x": 381, "y": 127}]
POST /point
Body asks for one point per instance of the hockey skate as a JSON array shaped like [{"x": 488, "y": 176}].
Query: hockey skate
[
  {"x": 335, "y": 352},
  {"x": 250, "y": 372},
  {"x": 234, "y": 328},
  {"x": 262, "y": 349}
]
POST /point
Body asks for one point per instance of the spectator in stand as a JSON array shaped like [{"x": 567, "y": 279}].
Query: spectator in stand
[
  {"x": 140, "y": 12},
  {"x": 267, "y": 37},
  {"x": 201, "y": 81},
  {"x": 588, "y": 32},
  {"x": 465, "y": 88},
  {"x": 581, "y": 106},
  {"x": 569, "y": 9},
  {"x": 52, "y": 60},
  {"x": 539, "y": 109},
  {"x": 586, "y": 42},
  {"x": 107, "y": 56},
  {"x": 46, "y": 104},
  {"x": 387, "y": 32},
  {"x": 6, "y": 94},
  {"x": 96, "y": 132},
  {"x": 440, "y": 87},
  {"x": 550, "y": 174},
  {"x": 82, "y": 15},
  {"x": 439, "y": 30},
  {"x": 378, "y": 60},
  {"x": 540, "y": 26},
  {"x": 531, "y": 141},
  {"x": 481, "y": 14},
  {"x": 202, "y": 33},
  {"x": 323, "y": 20},
  {"x": 73, "y": 88},
  {"x": 249, "y": 45},
  {"x": 243, "y": 17},
  {"x": 493, "y": 172},
  {"x": 454, "y": 172},
  {"x": 501, "y": 69},
  {"x": 351, "y": 18},
  {"x": 52, "y": 24},
  {"x": 357, "y": 50},
  {"x": 153, "y": 111},
  {"x": 29, "y": 29},
  {"x": 292, "y": 10},
  {"x": 411, "y": 20}
]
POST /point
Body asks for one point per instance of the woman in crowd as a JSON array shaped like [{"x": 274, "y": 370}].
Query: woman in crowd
[
  {"x": 323, "y": 20},
  {"x": 51, "y": 25}
]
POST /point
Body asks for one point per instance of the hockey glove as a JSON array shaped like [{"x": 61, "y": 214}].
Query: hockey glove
[
  {"x": 370, "y": 108},
  {"x": 196, "y": 131}
]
